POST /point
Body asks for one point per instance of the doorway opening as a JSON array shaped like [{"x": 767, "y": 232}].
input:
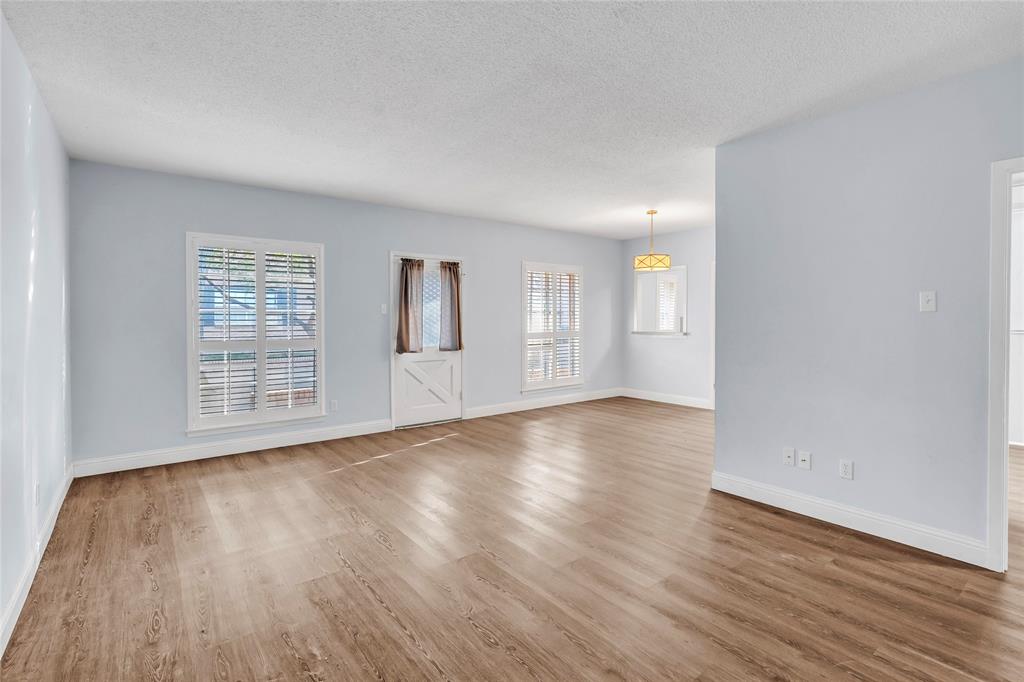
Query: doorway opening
[
  {"x": 426, "y": 385},
  {"x": 1006, "y": 366}
]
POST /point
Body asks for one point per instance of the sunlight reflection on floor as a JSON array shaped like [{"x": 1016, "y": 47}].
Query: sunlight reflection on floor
[{"x": 388, "y": 454}]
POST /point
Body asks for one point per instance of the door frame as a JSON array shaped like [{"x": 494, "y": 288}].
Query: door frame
[
  {"x": 712, "y": 330},
  {"x": 393, "y": 257},
  {"x": 998, "y": 364}
]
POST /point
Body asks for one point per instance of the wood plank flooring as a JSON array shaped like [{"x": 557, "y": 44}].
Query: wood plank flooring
[{"x": 578, "y": 542}]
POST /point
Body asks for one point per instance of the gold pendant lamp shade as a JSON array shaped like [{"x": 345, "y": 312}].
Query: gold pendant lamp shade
[{"x": 650, "y": 261}]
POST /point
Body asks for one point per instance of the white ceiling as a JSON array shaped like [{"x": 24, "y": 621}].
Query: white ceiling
[{"x": 572, "y": 116}]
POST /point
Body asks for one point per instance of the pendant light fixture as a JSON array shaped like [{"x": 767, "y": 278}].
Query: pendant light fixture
[{"x": 650, "y": 261}]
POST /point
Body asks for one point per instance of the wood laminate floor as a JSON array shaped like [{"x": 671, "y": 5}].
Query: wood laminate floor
[{"x": 573, "y": 542}]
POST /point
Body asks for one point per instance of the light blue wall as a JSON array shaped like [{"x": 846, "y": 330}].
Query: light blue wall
[
  {"x": 33, "y": 325},
  {"x": 128, "y": 297},
  {"x": 826, "y": 232},
  {"x": 678, "y": 366}
]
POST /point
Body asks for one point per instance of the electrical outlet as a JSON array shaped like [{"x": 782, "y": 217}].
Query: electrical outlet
[
  {"x": 803, "y": 459},
  {"x": 926, "y": 302},
  {"x": 846, "y": 469},
  {"x": 789, "y": 456},
  {"x": 383, "y": 308},
  {"x": 334, "y": 406}
]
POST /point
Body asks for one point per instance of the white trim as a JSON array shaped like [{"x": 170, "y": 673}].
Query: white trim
[
  {"x": 536, "y": 403},
  {"x": 425, "y": 256},
  {"x": 664, "y": 335},
  {"x": 234, "y": 446},
  {"x": 552, "y": 267},
  {"x": 713, "y": 332},
  {"x": 583, "y": 396},
  {"x": 13, "y": 608},
  {"x": 313, "y": 417},
  {"x": 685, "y": 400},
  {"x": 998, "y": 362},
  {"x": 953, "y": 545},
  {"x": 558, "y": 385},
  {"x": 196, "y": 425}
]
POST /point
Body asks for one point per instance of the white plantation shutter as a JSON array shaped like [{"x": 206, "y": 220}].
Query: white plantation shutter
[
  {"x": 667, "y": 321},
  {"x": 291, "y": 378},
  {"x": 227, "y": 383},
  {"x": 551, "y": 343},
  {"x": 291, "y": 295},
  {"x": 255, "y": 351},
  {"x": 226, "y": 295},
  {"x": 291, "y": 324}
]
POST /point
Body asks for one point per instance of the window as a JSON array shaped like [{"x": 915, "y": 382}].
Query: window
[
  {"x": 431, "y": 327},
  {"x": 659, "y": 302},
  {"x": 255, "y": 331},
  {"x": 551, "y": 326}
]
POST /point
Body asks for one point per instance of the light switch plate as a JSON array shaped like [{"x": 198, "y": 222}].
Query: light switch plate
[
  {"x": 803, "y": 459},
  {"x": 927, "y": 302}
]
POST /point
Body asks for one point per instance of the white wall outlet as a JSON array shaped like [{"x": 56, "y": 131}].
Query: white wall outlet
[
  {"x": 927, "y": 301},
  {"x": 789, "y": 456},
  {"x": 846, "y": 469},
  {"x": 383, "y": 308},
  {"x": 803, "y": 459},
  {"x": 334, "y": 406}
]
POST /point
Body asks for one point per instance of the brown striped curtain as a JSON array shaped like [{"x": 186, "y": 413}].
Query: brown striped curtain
[
  {"x": 451, "y": 306},
  {"x": 410, "y": 307}
]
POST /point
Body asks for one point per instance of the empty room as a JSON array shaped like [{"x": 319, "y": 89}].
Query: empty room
[{"x": 511, "y": 340}]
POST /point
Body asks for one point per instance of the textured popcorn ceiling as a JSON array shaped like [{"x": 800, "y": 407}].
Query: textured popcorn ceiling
[{"x": 573, "y": 116}]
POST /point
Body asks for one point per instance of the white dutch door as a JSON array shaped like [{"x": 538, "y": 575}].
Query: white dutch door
[{"x": 427, "y": 385}]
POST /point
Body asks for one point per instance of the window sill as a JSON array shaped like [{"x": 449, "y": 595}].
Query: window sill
[
  {"x": 669, "y": 334},
  {"x": 551, "y": 387},
  {"x": 252, "y": 425}
]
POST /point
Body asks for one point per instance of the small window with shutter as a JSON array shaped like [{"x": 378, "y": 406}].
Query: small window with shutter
[
  {"x": 551, "y": 326},
  {"x": 659, "y": 302},
  {"x": 255, "y": 331}
]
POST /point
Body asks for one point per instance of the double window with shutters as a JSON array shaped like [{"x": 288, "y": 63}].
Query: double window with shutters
[
  {"x": 552, "y": 353},
  {"x": 255, "y": 352}
]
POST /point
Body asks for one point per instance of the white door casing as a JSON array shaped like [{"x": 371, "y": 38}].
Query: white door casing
[
  {"x": 427, "y": 386},
  {"x": 998, "y": 359}
]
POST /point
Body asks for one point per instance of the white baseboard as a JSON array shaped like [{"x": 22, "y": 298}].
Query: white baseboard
[
  {"x": 688, "y": 401},
  {"x": 232, "y": 446},
  {"x": 953, "y": 545},
  {"x": 583, "y": 396},
  {"x": 534, "y": 403},
  {"x": 35, "y": 554}
]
